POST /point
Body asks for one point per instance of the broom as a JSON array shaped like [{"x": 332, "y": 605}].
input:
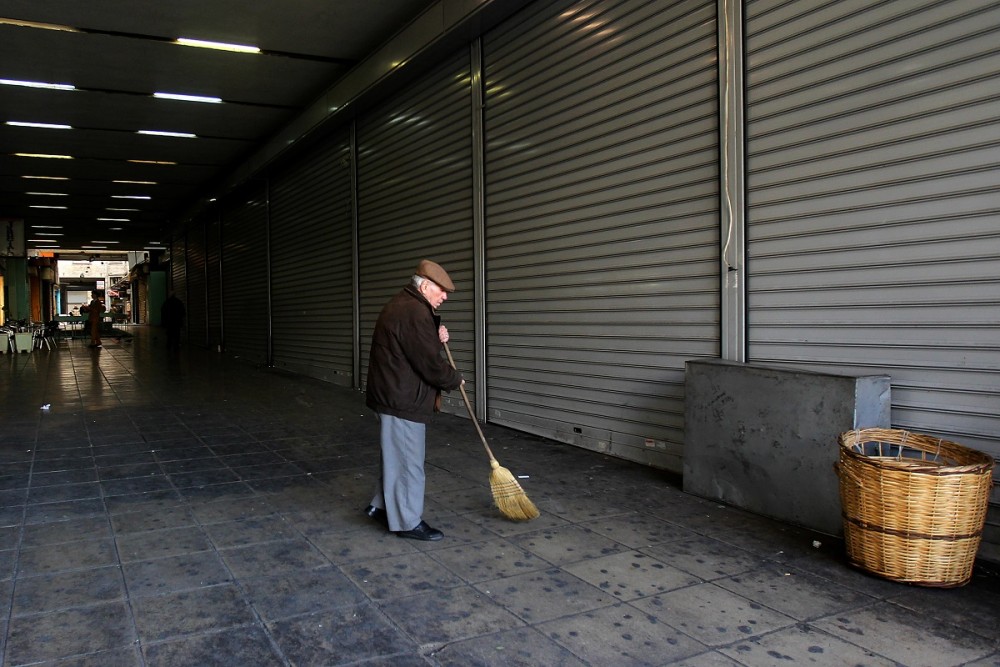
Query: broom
[{"x": 508, "y": 495}]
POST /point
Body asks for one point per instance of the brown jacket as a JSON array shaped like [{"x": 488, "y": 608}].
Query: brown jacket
[{"x": 405, "y": 368}]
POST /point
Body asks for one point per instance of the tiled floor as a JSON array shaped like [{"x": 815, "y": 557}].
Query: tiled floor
[{"x": 174, "y": 510}]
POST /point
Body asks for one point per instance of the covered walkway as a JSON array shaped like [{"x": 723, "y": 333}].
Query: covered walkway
[{"x": 187, "y": 509}]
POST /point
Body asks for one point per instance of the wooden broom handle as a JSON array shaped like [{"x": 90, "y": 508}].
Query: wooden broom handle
[{"x": 468, "y": 406}]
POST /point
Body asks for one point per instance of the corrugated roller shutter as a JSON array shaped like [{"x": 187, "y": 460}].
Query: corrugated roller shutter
[
  {"x": 195, "y": 304},
  {"x": 311, "y": 264},
  {"x": 415, "y": 202},
  {"x": 244, "y": 258},
  {"x": 873, "y": 199},
  {"x": 213, "y": 252},
  {"x": 602, "y": 222},
  {"x": 178, "y": 266}
]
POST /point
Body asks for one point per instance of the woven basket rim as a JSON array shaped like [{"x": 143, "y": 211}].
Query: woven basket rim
[{"x": 969, "y": 460}]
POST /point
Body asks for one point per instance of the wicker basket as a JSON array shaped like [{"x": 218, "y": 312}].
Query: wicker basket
[{"x": 914, "y": 505}]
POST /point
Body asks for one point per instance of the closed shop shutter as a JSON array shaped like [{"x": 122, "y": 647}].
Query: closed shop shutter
[
  {"x": 872, "y": 202},
  {"x": 195, "y": 304},
  {"x": 602, "y": 240},
  {"x": 213, "y": 258},
  {"x": 415, "y": 202},
  {"x": 244, "y": 257},
  {"x": 178, "y": 266},
  {"x": 311, "y": 264}
]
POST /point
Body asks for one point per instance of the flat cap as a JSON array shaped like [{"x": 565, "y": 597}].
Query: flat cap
[{"x": 433, "y": 271}]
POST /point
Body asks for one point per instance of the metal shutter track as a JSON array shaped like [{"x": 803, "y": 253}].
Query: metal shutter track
[{"x": 602, "y": 221}]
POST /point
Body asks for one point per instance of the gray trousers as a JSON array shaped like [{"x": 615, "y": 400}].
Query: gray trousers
[{"x": 400, "y": 489}]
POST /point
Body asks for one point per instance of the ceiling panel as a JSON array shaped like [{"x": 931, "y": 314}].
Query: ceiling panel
[
  {"x": 331, "y": 28},
  {"x": 125, "y": 64},
  {"x": 120, "y": 55}
]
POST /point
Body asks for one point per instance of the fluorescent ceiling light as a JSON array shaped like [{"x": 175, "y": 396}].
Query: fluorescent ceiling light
[
  {"x": 44, "y": 126},
  {"x": 131, "y": 197},
  {"x": 35, "y": 24},
  {"x": 48, "y": 234},
  {"x": 45, "y": 155},
  {"x": 115, "y": 229},
  {"x": 122, "y": 209},
  {"x": 219, "y": 46},
  {"x": 165, "y": 133},
  {"x": 42, "y": 206},
  {"x": 49, "y": 194},
  {"x": 41, "y": 240},
  {"x": 37, "y": 84},
  {"x": 46, "y": 227},
  {"x": 188, "y": 98},
  {"x": 49, "y": 178},
  {"x": 105, "y": 241},
  {"x": 151, "y": 162},
  {"x": 137, "y": 182},
  {"x": 114, "y": 219},
  {"x": 93, "y": 247}
]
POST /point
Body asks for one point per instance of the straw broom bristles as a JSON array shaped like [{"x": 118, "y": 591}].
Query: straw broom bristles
[{"x": 508, "y": 495}]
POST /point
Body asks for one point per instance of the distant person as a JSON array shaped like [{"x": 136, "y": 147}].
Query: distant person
[
  {"x": 95, "y": 313},
  {"x": 172, "y": 318}
]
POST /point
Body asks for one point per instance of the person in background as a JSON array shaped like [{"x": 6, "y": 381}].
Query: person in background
[
  {"x": 172, "y": 318},
  {"x": 95, "y": 314},
  {"x": 406, "y": 375}
]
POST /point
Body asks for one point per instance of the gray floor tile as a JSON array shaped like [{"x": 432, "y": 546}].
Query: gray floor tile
[
  {"x": 544, "y": 595},
  {"x": 802, "y": 645},
  {"x": 620, "y": 635},
  {"x": 51, "y": 592},
  {"x": 301, "y": 592},
  {"x": 449, "y": 615},
  {"x": 705, "y": 557},
  {"x": 61, "y": 532},
  {"x": 878, "y": 628},
  {"x": 161, "y": 543},
  {"x": 68, "y": 632},
  {"x": 339, "y": 636},
  {"x": 268, "y": 528},
  {"x": 270, "y": 558},
  {"x": 237, "y": 647},
  {"x": 190, "y": 612},
  {"x": 399, "y": 576},
  {"x": 521, "y": 647},
  {"x": 490, "y": 559},
  {"x": 84, "y": 554},
  {"x": 795, "y": 593},
  {"x": 176, "y": 573},
  {"x": 568, "y": 544},
  {"x": 712, "y": 615},
  {"x": 631, "y": 575}
]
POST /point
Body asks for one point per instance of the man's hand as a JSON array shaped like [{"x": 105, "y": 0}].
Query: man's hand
[{"x": 443, "y": 334}]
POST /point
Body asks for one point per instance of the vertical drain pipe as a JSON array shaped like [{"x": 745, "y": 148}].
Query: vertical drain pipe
[
  {"x": 478, "y": 224},
  {"x": 732, "y": 181},
  {"x": 355, "y": 260}
]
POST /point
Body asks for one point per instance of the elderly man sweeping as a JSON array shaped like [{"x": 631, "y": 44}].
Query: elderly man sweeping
[{"x": 406, "y": 375}]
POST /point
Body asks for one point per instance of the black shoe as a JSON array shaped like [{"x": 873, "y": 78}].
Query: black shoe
[
  {"x": 422, "y": 532},
  {"x": 378, "y": 514}
]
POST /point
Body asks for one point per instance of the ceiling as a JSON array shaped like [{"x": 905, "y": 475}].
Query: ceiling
[{"x": 121, "y": 189}]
